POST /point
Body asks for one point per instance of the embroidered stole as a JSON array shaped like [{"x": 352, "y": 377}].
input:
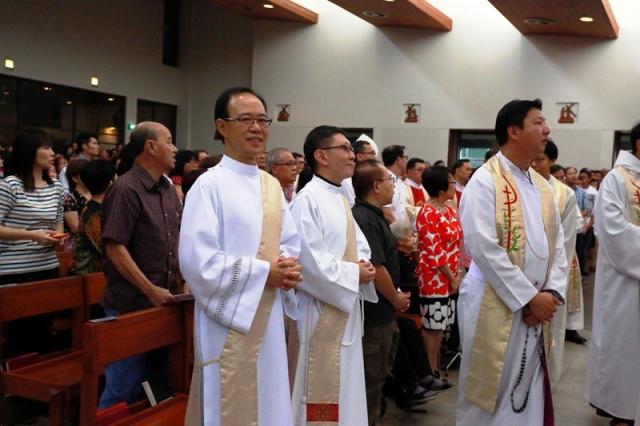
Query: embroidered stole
[
  {"x": 574, "y": 279},
  {"x": 239, "y": 357},
  {"x": 632, "y": 188},
  {"x": 495, "y": 319},
  {"x": 323, "y": 373}
]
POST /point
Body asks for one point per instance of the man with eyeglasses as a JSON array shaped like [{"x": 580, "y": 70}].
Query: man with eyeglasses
[
  {"x": 284, "y": 167},
  {"x": 238, "y": 252},
  {"x": 395, "y": 161},
  {"x": 364, "y": 149},
  {"x": 329, "y": 383}
]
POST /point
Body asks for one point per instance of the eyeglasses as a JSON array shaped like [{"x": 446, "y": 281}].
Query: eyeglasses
[
  {"x": 247, "y": 121},
  {"x": 392, "y": 178},
  {"x": 288, "y": 163},
  {"x": 346, "y": 147}
]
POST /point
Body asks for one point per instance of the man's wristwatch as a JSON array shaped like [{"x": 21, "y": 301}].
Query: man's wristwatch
[{"x": 556, "y": 295}]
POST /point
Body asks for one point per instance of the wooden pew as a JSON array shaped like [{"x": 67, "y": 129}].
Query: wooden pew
[
  {"x": 53, "y": 380},
  {"x": 93, "y": 285},
  {"x": 66, "y": 261},
  {"x": 131, "y": 334}
]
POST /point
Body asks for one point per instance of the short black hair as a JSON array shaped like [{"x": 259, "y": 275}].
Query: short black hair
[
  {"x": 222, "y": 104},
  {"x": 585, "y": 170},
  {"x": 556, "y": 168},
  {"x": 359, "y": 146},
  {"x": 364, "y": 175},
  {"x": 74, "y": 168},
  {"x": 634, "y": 136},
  {"x": 391, "y": 153},
  {"x": 513, "y": 114},
  {"x": 551, "y": 150},
  {"x": 297, "y": 155},
  {"x": 411, "y": 164},
  {"x": 316, "y": 139},
  {"x": 96, "y": 175},
  {"x": 435, "y": 180},
  {"x": 83, "y": 138},
  {"x": 459, "y": 163}
]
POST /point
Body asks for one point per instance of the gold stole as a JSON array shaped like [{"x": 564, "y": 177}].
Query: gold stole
[
  {"x": 323, "y": 375},
  {"x": 574, "y": 281},
  {"x": 239, "y": 357},
  {"x": 495, "y": 319},
  {"x": 632, "y": 188}
]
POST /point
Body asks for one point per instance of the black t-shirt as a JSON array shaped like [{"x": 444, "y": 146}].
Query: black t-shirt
[{"x": 383, "y": 253}]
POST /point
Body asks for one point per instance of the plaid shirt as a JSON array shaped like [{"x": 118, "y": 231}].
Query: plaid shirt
[{"x": 583, "y": 200}]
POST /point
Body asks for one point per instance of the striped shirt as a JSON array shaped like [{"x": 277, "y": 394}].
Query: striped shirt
[{"x": 40, "y": 209}]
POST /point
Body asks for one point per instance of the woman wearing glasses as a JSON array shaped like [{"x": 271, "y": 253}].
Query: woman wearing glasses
[{"x": 439, "y": 235}]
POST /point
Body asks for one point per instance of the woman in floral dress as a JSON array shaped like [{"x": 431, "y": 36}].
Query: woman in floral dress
[{"x": 439, "y": 235}]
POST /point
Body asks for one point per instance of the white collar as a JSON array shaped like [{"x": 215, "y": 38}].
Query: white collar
[
  {"x": 237, "y": 166},
  {"x": 412, "y": 184}
]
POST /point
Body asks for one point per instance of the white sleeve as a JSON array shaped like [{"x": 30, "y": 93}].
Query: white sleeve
[
  {"x": 478, "y": 219},
  {"x": 619, "y": 238},
  {"x": 227, "y": 287},
  {"x": 326, "y": 277}
]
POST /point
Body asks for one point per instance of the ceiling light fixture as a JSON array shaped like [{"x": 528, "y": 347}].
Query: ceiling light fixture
[
  {"x": 47, "y": 88},
  {"x": 538, "y": 21},
  {"x": 69, "y": 102},
  {"x": 110, "y": 99},
  {"x": 268, "y": 6},
  {"x": 373, "y": 14},
  {"x": 9, "y": 64},
  {"x": 94, "y": 81},
  {"x": 586, "y": 19},
  {"x": 389, "y": 1}
]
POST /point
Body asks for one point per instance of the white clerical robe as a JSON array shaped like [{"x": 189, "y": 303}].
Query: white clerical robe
[
  {"x": 575, "y": 320},
  {"x": 515, "y": 288},
  {"x": 613, "y": 379},
  {"x": 347, "y": 190},
  {"x": 321, "y": 217},
  {"x": 570, "y": 230},
  {"x": 219, "y": 239}
]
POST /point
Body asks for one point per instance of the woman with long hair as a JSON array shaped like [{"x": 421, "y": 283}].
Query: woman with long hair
[{"x": 185, "y": 162}]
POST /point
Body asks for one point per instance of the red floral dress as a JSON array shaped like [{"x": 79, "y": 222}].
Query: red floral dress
[{"x": 439, "y": 235}]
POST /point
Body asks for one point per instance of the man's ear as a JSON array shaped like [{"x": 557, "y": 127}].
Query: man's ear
[
  {"x": 221, "y": 126},
  {"x": 320, "y": 157},
  {"x": 513, "y": 131}
]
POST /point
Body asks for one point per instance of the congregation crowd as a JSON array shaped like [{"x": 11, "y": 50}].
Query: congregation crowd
[{"x": 364, "y": 276}]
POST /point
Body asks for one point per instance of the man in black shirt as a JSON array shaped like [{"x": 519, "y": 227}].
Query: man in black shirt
[{"x": 373, "y": 186}]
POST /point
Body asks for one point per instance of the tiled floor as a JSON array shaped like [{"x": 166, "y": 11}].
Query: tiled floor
[{"x": 571, "y": 408}]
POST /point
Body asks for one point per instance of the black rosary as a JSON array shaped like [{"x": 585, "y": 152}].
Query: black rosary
[{"x": 523, "y": 363}]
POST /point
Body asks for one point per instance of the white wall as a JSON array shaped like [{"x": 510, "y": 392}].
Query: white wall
[
  {"x": 346, "y": 72},
  {"x": 120, "y": 41}
]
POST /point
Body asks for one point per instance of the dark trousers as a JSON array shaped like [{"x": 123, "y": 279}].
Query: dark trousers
[
  {"x": 379, "y": 345},
  {"x": 584, "y": 242},
  {"x": 411, "y": 363}
]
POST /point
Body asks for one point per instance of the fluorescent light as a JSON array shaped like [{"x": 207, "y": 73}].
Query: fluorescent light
[
  {"x": 9, "y": 64},
  {"x": 268, "y": 6},
  {"x": 94, "y": 81},
  {"x": 586, "y": 19}
]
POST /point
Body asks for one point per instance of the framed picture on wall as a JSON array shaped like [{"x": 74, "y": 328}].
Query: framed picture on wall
[{"x": 411, "y": 113}]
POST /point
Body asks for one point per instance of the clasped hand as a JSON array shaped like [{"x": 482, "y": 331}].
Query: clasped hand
[
  {"x": 285, "y": 273},
  {"x": 540, "y": 309}
]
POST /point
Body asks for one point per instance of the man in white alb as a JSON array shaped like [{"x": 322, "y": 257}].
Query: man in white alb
[
  {"x": 613, "y": 379},
  {"x": 517, "y": 277},
  {"x": 238, "y": 251},
  {"x": 329, "y": 382}
]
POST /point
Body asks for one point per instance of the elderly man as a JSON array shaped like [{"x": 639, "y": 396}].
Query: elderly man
[
  {"x": 282, "y": 165},
  {"x": 238, "y": 250},
  {"x": 140, "y": 224},
  {"x": 512, "y": 230}
]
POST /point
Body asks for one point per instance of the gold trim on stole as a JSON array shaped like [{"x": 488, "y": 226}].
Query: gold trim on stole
[
  {"x": 574, "y": 279},
  {"x": 323, "y": 374},
  {"x": 632, "y": 187},
  {"x": 239, "y": 357},
  {"x": 495, "y": 319}
]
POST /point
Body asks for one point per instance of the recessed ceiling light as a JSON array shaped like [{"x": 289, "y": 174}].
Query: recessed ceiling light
[
  {"x": 586, "y": 19},
  {"x": 110, "y": 99},
  {"x": 538, "y": 21},
  {"x": 6, "y": 93},
  {"x": 9, "y": 64},
  {"x": 373, "y": 14},
  {"x": 47, "y": 88},
  {"x": 69, "y": 102},
  {"x": 268, "y": 6},
  {"x": 389, "y": 1},
  {"x": 95, "y": 81}
]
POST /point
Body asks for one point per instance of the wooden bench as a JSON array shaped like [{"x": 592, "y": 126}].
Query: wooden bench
[
  {"x": 133, "y": 334},
  {"x": 65, "y": 258},
  {"x": 93, "y": 285},
  {"x": 53, "y": 380}
]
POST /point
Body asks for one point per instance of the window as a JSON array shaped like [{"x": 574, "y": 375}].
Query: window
[
  {"x": 61, "y": 111},
  {"x": 161, "y": 113},
  {"x": 471, "y": 144}
]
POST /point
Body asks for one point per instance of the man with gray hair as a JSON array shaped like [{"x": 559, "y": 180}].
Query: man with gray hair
[{"x": 283, "y": 166}]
